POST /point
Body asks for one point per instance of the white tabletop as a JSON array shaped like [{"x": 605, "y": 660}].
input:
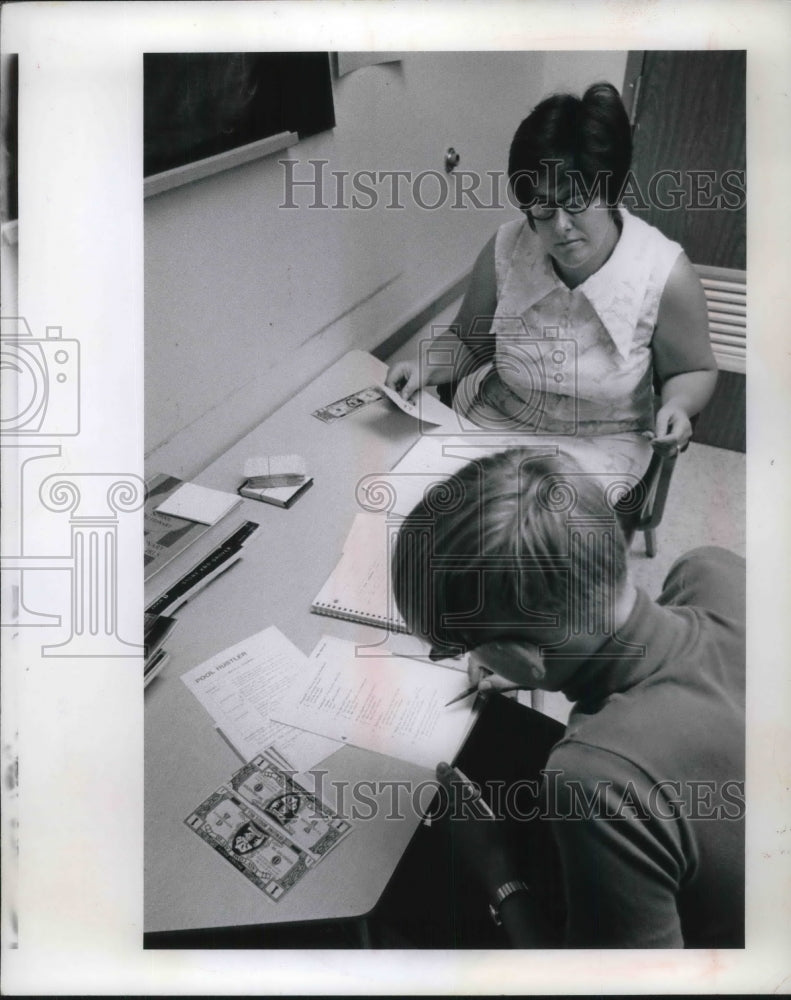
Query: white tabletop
[{"x": 187, "y": 885}]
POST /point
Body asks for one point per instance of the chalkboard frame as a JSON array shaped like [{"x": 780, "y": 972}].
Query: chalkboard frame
[{"x": 205, "y": 112}]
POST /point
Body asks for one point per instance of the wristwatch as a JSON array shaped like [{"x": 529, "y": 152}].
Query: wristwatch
[{"x": 506, "y": 889}]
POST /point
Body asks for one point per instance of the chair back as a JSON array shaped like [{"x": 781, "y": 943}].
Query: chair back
[{"x": 726, "y": 299}]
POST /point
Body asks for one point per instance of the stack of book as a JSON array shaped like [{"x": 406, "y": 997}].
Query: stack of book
[
  {"x": 182, "y": 555},
  {"x": 157, "y": 629}
]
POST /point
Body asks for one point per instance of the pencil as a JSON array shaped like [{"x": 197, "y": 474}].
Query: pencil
[
  {"x": 465, "y": 694},
  {"x": 474, "y": 688},
  {"x": 478, "y": 798}
]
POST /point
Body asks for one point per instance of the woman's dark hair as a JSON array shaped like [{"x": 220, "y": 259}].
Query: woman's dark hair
[
  {"x": 584, "y": 140},
  {"x": 489, "y": 551}
]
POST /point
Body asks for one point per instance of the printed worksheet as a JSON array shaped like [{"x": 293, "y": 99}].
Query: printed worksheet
[
  {"x": 241, "y": 688},
  {"x": 393, "y": 705}
]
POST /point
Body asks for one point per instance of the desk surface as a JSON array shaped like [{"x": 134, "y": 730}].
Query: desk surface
[{"x": 187, "y": 886}]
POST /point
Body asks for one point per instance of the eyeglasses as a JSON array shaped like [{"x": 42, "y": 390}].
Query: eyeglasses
[
  {"x": 469, "y": 644},
  {"x": 454, "y": 652},
  {"x": 543, "y": 213}
]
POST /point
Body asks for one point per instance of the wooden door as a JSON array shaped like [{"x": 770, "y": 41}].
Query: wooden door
[{"x": 688, "y": 115}]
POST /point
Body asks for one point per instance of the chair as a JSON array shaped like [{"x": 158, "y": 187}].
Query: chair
[{"x": 641, "y": 509}]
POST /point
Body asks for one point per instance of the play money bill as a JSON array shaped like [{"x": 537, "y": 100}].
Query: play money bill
[
  {"x": 342, "y": 407},
  {"x": 256, "y": 849},
  {"x": 286, "y": 804}
]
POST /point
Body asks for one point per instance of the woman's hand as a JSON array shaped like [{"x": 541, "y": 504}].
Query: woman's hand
[
  {"x": 406, "y": 378},
  {"x": 673, "y": 429}
]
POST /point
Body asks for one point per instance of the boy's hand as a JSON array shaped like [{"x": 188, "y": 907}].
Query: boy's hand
[{"x": 489, "y": 664}]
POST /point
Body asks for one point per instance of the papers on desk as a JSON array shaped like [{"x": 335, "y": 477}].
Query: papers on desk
[
  {"x": 392, "y": 705},
  {"x": 264, "y": 691},
  {"x": 241, "y": 689}
]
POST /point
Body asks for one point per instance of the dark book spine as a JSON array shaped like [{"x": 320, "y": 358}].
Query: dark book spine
[{"x": 221, "y": 554}]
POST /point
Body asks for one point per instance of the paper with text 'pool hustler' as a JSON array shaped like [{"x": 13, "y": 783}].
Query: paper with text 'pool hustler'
[
  {"x": 392, "y": 705},
  {"x": 241, "y": 688}
]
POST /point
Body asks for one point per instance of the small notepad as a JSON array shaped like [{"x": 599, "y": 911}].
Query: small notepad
[{"x": 199, "y": 503}]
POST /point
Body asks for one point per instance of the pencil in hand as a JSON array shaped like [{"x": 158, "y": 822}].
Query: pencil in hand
[{"x": 475, "y": 689}]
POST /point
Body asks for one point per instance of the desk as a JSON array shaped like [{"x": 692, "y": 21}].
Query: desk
[{"x": 187, "y": 886}]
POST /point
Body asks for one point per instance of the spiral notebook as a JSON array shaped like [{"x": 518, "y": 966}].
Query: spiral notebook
[{"x": 359, "y": 589}]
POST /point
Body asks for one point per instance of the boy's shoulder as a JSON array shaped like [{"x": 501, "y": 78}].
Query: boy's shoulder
[{"x": 710, "y": 578}]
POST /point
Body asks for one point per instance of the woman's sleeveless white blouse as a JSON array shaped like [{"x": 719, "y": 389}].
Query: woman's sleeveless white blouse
[{"x": 572, "y": 363}]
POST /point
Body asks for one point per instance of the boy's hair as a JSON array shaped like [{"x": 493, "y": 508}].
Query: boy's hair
[
  {"x": 590, "y": 135},
  {"x": 490, "y": 551}
]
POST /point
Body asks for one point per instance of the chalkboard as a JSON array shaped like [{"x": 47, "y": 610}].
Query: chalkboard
[
  {"x": 9, "y": 128},
  {"x": 197, "y": 105}
]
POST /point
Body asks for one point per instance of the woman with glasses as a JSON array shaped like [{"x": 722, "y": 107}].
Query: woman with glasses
[{"x": 577, "y": 312}]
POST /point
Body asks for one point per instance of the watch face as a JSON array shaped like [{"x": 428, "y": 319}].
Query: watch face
[{"x": 506, "y": 889}]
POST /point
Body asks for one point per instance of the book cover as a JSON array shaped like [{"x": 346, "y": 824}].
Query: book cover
[{"x": 164, "y": 535}]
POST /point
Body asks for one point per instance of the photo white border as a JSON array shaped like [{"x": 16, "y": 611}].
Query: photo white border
[{"x": 81, "y": 267}]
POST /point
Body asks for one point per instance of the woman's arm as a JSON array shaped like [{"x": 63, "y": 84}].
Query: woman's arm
[
  {"x": 474, "y": 317},
  {"x": 683, "y": 358}
]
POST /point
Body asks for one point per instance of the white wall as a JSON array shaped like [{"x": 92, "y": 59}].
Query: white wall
[
  {"x": 9, "y": 270},
  {"x": 245, "y": 301}
]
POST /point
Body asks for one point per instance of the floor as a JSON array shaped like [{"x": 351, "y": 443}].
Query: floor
[{"x": 706, "y": 506}]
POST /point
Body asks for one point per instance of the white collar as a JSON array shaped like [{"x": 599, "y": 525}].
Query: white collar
[{"x": 614, "y": 291}]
